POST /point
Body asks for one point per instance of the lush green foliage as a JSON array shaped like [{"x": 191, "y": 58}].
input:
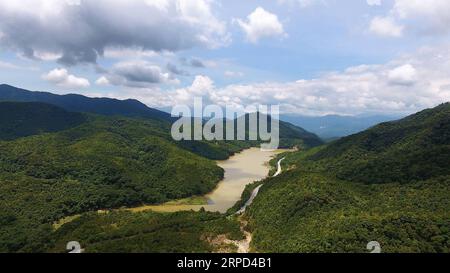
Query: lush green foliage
[
  {"x": 412, "y": 149},
  {"x": 320, "y": 206},
  {"x": 310, "y": 212},
  {"x": 26, "y": 119},
  {"x": 148, "y": 232},
  {"x": 103, "y": 163},
  {"x": 97, "y": 162}
]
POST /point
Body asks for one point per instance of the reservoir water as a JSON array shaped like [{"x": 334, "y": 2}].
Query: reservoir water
[{"x": 240, "y": 170}]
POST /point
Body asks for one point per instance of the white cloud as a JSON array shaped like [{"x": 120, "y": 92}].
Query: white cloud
[
  {"x": 81, "y": 31},
  {"x": 374, "y": 2},
  {"x": 124, "y": 53},
  {"x": 431, "y": 17},
  {"x": 403, "y": 75},
  {"x": 62, "y": 78},
  {"x": 301, "y": 3},
  {"x": 261, "y": 24},
  {"x": 403, "y": 86},
  {"x": 102, "y": 81},
  {"x": 386, "y": 26}
]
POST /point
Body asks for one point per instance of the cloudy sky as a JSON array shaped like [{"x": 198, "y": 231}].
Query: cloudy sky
[{"x": 311, "y": 57}]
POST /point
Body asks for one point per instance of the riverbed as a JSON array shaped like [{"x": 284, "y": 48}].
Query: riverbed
[{"x": 240, "y": 170}]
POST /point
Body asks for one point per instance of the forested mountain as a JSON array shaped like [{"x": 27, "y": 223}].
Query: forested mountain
[
  {"x": 414, "y": 148},
  {"x": 290, "y": 135},
  {"x": 26, "y": 119},
  {"x": 55, "y": 163},
  {"x": 79, "y": 103},
  {"x": 102, "y": 163},
  {"x": 320, "y": 204}
]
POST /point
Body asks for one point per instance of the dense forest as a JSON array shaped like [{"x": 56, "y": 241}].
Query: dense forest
[
  {"x": 55, "y": 163},
  {"x": 27, "y": 119},
  {"x": 411, "y": 149},
  {"x": 300, "y": 211},
  {"x": 103, "y": 163},
  {"x": 389, "y": 184},
  {"x": 147, "y": 232}
]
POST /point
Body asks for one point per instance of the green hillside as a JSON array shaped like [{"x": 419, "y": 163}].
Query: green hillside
[
  {"x": 146, "y": 232},
  {"x": 414, "y": 148},
  {"x": 26, "y": 119},
  {"x": 54, "y": 164},
  {"x": 320, "y": 204},
  {"x": 289, "y": 136},
  {"x": 103, "y": 163}
]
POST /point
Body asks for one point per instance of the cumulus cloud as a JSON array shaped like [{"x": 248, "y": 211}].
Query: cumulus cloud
[
  {"x": 403, "y": 86},
  {"x": 103, "y": 81},
  {"x": 403, "y": 75},
  {"x": 81, "y": 31},
  {"x": 386, "y": 26},
  {"x": 261, "y": 24},
  {"x": 62, "y": 78},
  {"x": 137, "y": 74},
  {"x": 431, "y": 17}
]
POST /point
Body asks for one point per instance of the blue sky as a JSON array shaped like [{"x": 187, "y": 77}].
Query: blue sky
[{"x": 312, "y": 57}]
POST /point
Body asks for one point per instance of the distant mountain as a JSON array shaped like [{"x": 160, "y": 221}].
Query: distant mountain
[
  {"x": 26, "y": 119},
  {"x": 79, "y": 103},
  {"x": 414, "y": 148},
  {"x": 291, "y": 134},
  {"x": 333, "y": 126}
]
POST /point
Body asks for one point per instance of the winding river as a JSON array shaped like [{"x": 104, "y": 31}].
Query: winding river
[{"x": 240, "y": 170}]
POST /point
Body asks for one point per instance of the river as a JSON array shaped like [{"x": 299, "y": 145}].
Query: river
[{"x": 240, "y": 170}]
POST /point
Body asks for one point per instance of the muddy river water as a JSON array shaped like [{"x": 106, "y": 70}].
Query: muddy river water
[{"x": 240, "y": 170}]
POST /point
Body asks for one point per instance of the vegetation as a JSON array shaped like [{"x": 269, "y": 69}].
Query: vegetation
[
  {"x": 246, "y": 194},
  {"x": 56, "y": 164},
  {"x": 311, "y": 212},
  {"x": 103, "y": 163},
  {"x": 390, "y": 183},
  {"x": 320, "y": 204},
  {"x": 25, "y": 119},
  {"x": 412, "y": 149},
  {"x": 146, "y": 232}
]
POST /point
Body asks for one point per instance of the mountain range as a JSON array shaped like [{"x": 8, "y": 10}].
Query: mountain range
[
  {"x": 79, "y": 103},
  {"x": 63, "y": 155},
  {"x": 334, "y": 126},
  {"x": 66, "y": 159},
  {"x": 388, "y": 184}
]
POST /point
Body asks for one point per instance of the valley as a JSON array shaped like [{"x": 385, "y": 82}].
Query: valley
[
  {"x": 240, "y": 170},
  {"x": 120, "y": 183}
]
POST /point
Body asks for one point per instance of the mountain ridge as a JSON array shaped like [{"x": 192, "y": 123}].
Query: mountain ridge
[{"x": 80, "y": 103}]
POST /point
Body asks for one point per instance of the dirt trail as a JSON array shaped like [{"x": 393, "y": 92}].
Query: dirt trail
[{"x": 243, "y": 246}]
